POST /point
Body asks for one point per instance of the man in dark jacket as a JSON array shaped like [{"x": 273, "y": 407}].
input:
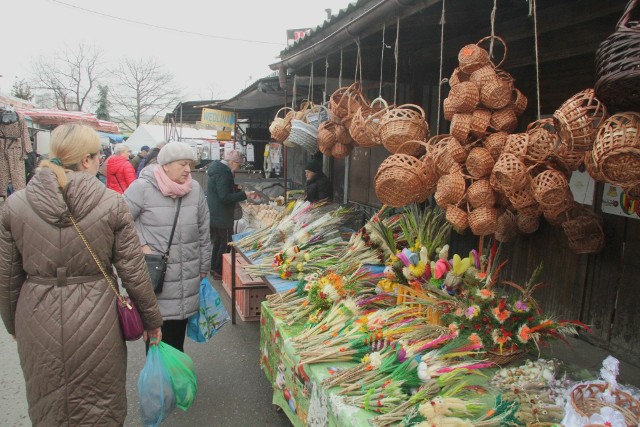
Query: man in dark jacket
[
  {"x": 151, "y": 158},
  {"x": 222, "y": 198},
  {"x": 135, "y": 162},
  {"x": 318, "y": 185}
]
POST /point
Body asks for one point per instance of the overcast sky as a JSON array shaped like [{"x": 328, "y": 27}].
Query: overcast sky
[{"x": 205, "y": 65}]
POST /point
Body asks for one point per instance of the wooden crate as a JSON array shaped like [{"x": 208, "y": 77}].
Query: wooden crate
[
  {"x": 249, "y": 302},
  {"x": 242, "y": 279}
]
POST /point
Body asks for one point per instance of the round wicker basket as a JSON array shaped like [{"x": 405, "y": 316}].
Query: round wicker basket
[
  {"x": 401, "y": 180},
  {"x": 550, "y": 188},
  {"x": 584, "y": 232},
  {"x": 479, "y": 162},
  {"x": 504, "y": 120},
  {"x": 304, "y": 135},
  {"x": 481, "y": 194},
  {"x": 461, "y": 126},
  {"x": 510, "y": 173},
  {"x": 578, "y": 118},
  {"x": 483, "y": 220},
  {"x": 457, "y": 152},
  {"x": 496, "y": 94},
  {"x": 483, "y": 75},
  {"x": 495, "y": 143},
  {"x": 464, "y": 97},
  {"x": 458, "y": 218},
  {"x": 517, "y": 144},
  {"x": 401, "y": 124},
  {"x": 365, "y": 126},
  {"x": 281, "y": 126},
  {"x": 473, "y": 57},
  {"x": 527, "y": 224},
  {"x": 519, "y": 101},
  {"x": 506, "y": 228},
  {"x": 587, "y": 399},
  {"x": 450, "y": 189},
  {"x": 616, "y": 150},
  {"x": 480, "y": 121}
]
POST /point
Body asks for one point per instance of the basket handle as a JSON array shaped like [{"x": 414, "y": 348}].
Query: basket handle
[
  {"x": 504, "y": 56},
  {"x": 283, "y": 108},
  {"x": 380, "y": 100},
  {"x": 426, "y": 147},
  {"x": 624, "y": 19},
  {"x": 414, "y": 106}
]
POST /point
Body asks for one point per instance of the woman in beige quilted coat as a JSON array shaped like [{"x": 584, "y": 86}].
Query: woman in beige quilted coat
[{"x": 54, "y": 300}]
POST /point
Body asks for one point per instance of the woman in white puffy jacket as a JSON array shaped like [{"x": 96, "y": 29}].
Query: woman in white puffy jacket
[{"x": 153, "y": 200}]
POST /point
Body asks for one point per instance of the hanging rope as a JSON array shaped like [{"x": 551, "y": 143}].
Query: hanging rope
[
  {"x": 382, "y": 60},
  {"x": 310, "y": 91},
  {"x": 440, "y": 81},
  {"x": 295, "y": 87},
  {"x": 395, "y": 83},
  {"x": 355, "y": 78},
  {"x": 493, "y": 27},
  {"x": 359, "y": 60},
  {"x": 340, "y": 75},
  {"x": 533, "y": 11},
  {"x": 326, "y": 74}
]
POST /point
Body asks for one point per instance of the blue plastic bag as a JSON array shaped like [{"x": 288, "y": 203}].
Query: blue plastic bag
[
  {"x": 182, "y": 374},
  {"x": 157, "y": 398},
  {"x": 211, "y": 316}
]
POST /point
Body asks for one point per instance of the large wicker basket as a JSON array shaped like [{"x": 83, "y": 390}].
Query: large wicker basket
[
  {"x": 401, "y": 180},
  {"x": 304, "y": 135},
  {"x": 587, "y": 399},
  {"x": 616, "y": 150},
  {"x": 365, "y": 126},
  {"x": 404, "y": 123},
  {"x": 578, "y": 118}
]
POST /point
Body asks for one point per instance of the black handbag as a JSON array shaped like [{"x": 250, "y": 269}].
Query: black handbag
[{"x": 157, "y": 264}]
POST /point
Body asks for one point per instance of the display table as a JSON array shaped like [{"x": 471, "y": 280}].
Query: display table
[{"x": 297, "y": 388}]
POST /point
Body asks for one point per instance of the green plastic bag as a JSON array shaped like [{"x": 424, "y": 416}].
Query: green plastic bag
[{"x": 182, "y": 374}]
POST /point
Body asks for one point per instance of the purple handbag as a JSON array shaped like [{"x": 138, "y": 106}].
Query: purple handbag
[{"x": 128, "y": 315}]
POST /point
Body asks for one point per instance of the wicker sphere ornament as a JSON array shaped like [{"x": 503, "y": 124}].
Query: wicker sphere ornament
[{"x": 578, "y": 118}]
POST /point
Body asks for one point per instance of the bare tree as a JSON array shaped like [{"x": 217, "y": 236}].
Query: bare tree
[
  {"x": 69, "y": 76},
  {"x": 143, "y": 90}
]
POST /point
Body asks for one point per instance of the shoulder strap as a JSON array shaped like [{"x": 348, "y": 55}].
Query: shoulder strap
[
  {"x": 173, "y": 229},
  {"x": 98, "y": 263}
]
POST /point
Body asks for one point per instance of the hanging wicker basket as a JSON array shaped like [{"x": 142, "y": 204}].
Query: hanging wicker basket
[
  {"x": 496, "y": 94},
  {"x": 451, "y": 189},
  {"x": 304, "y": 135},
  {"x": 404, "y": 123},
  {"x": 340, "y": 151},
  {"x": 504, "y": 120},
  {"x": 458, "y": 76},
  {"x": 473, "y": 57},
  {"x": 527, "y": 224},
  {"x": 592, "y": 169},
  {"x": 338, "y": 101},
  {"x": 521, "y": 199},
  {"x": 483, "y": 75},
  {"x": 464, "y": 97},
  {"x": 479, "y": 162},
  {"x": 401, "y": 180},
  {"x": 456, "y": 150},
  {"x": 550, "y": 188},
  {"x": 281, "y": 126},
  {"x": 519, "y": 102},
  {"x": 510, "y": 173},
  {"x": 483, "y": 220},
  {"x": 480, "y": 121},
  {"x": 616, "y": 150},
  {"x": 316, "y": 115},
  {"x": 541, "y": 144},
  {"x": 458, "y": 218},
  {"x": 617, "y": 72},
  {"x": 481, "y": 194},
  {"x": 506, "y": 228},
  {"x": 517, "y": 144},
  {"x": 461, "y": 126},
  {"x": 495, "y": 143},
  {"x": 578, "y": 118},
  {"x": 365, "y": 126}
]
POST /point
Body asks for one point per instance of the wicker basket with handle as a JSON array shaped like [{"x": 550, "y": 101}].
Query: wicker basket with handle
[
  {"x": 483, "y": 75},
  {"x": 519, "y": 101},
  {"x": 365, "y": 126},
  {"x": 550, "y": 188},
  {"x": 401, "y": 180},
  {"x": 506, "y": 228},
  {"x": 464, "y": 97},
  {"x": 616, "y": 150},
  {"x": 473, "y": 57},
  {"x": 517, "y": 144},
  {"x": 509, "y": 173},
  {"x": 496, "y": 94},
  {"x": 281, "y": 126},
  {"x": 480, "y": 121},
  {"x": 584, "y": 232},
  {"x": 479, "y": 162},
  {"x": 481, "y": 194},
  {"x": 404, "y": 123},
  {"x": 461, "y": 126},
  {"x": 578, "y": 118},
  {"x": 527, "y": 224},
  {"x": 495, "y": 143},
  {"x": 504, "y": 120},
  {"x": 586, "y": 400},
  {"x": 451, "y": 189},
  {"x": 458, "y": 218}
]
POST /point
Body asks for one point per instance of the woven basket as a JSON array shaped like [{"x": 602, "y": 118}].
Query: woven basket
[
  {"x": 481, "y": 194},
  {"x": 340, "y": 151},
  {"x": 527, "y": 224},
  {"x": 338, "y": 102},
  {"x": 616, "y": 150},
  {"x": 483, "y": 220},
  {"x": 483, "y": 75},
  {"x": 479, "y": 162},
  {"x": 458, "y": 76},
  {"x": 316, "y": 115},
  {"x": 519, "y": 102},
  {"x": 464, "y": 97},
  {"x": 456, "y": 150},
  {"x": 509, "y": 173},
  {"x": 304, "y": 135},
  {"x": 506, "y": 228},
  {"x": 365, "y": 126},
  {"x": 447, "y": 110},
  {"x": 586, "y": 400},
  {"x": 517, "y": 144},
  {"x": 401, "y": 124},
  {"x": 480, "y": 121},
  {"x": 617, "y": 73},
  {"x": 355, "y": 101},
  {"x": 400, "y": 180},
  {"x": 473, "y": 57},
  {"x": 450, "y": 189},
  {"x": 495, "y": 143},
  {"x": 329, "y": 134},
  {"x": 550, "y": 188},
  {"x": 578, "y": 118},
  {"x": 458, "y": 218},
  {"x": 523, "y": 198},
  {"x": 504, "y": 120},
  {"x": 505, "y": 358},
  {"x": 461, "y": 126},
  {"x": 496, "y": 94},
  {"x": 541, "y": 143},
  {"x": 573, "y": 159},
  {"x": 584, "y": 233},
  {"x": 439, "y": 155},
  {"x": 281, "y": 126},
  {"x": 592, "y": 169}
]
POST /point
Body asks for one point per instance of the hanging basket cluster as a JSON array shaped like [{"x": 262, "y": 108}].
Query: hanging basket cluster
[{"x": 299, "y": 128}]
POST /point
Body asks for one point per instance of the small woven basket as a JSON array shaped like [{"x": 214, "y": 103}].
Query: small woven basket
[
  {"x": 479, "y": 162},
  {"x": 573, "y": 159},
  {"x": 281, "y": 126},
  {"x": 506, "y": 228},
  {"x": 338, "y": 101},
  {"x": 461, "y": 126},
  {"x": 483, "y": 75},
  {"x": 495, "y": 143},
  {"x": 584, "y": 232},
  {"x": 458, "y": 218},
  {"x": 527, "y": 224},
  {"x": 401, "y": 180},
  {"x": 617, "y": 73},
  {"x": 517, "y": 144},
  {"x": 473, "y": 57},
  {"x": 519, "y": 101},
  {"x": 541, "y": 143},
  {"x": 504, "y": 120},
  {"x": 340, "y": 151},
  {"x": 586, "y": 400},
  {"x": 509, "y": 173},
  {"x": 592, "y": 169},
  {"x": 616, "y": 150},
  {"x": 481, "y": 194},
  {"x": 480, "y": 121},
  {"x": 578, "y": 118},
  {"x": 451, "y": 189},
  {"x": 504, "y": 358},
  {"x": 464, "y": 97},
  {"x": 550, "y": 188},
  {"x": 458, "y": 76},
  {"x": 457, "y": 152},
  {"x": 483, "y": 220},
  {"x": 521, "y": 199},
  {"x": 496, "y": 94},
  {"x": 447, "y": 110},
  {"x": 401, "y": 124},
  {"x": 331, "y": 133}
]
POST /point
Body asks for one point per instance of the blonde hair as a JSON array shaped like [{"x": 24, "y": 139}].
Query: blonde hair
[{"x": 69, "y": 144}]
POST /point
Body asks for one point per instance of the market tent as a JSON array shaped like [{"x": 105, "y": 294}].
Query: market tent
[
  {"x": 50, "y": 117},
  {"x": 151, "y": 135}
]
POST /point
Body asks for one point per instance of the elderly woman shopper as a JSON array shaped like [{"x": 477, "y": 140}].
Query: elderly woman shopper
[
  {"x": 222, "y": 198},
  {"x": 153, "y": 202},
  {"x": 120, "y": 173},
  {"x": 54, "y": 299}
]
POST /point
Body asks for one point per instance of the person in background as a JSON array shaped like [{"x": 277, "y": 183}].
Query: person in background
[
  {"x": 135, "y": 162},
  {"x": 55, "y": 301},
  {"x": 222, "y": 197},
  {"x": 318, "y": 186},
  {"x": 120, "y": 173},
  {"x": 152, "y": 201}
]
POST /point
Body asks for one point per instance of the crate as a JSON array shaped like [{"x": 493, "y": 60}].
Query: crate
[
  {"x": 415, "y": 297},
  {"x": 249, "y": 302},
  {"x": 242, "y": 279}
]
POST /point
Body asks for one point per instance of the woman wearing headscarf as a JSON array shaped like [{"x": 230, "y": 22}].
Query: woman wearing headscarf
[
  {"x": 153, "y": 202},
  {"x": 53, "y": 298},
  {"x": 222, "y": 197}
]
